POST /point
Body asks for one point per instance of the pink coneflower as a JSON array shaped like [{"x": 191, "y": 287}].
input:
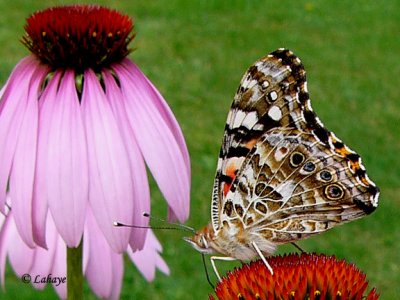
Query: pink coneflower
[
  {"x": 302, "y": 277},
  {"x": 77, "y": 121}
]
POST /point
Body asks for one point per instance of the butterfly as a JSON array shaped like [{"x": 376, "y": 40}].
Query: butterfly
[{"x": 281, "y": 175}]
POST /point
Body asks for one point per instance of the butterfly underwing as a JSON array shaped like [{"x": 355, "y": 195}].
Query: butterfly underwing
[{"x": 281, "y": 175}]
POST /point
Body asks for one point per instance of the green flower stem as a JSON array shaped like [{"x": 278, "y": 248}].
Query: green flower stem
[{"x": 74, "y": 273}]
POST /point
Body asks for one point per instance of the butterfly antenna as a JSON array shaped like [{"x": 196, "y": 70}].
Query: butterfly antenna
[
  {"x": 178, "y": 225},
  {"x": 119, "y": 224},
  {"x": 205, "y": 269},
  {"x": 298, "y": 247},
  {"x": 182, "y": 226}
]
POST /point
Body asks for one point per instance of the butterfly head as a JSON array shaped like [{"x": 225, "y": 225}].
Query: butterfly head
[{"x": 202, "y": 240}]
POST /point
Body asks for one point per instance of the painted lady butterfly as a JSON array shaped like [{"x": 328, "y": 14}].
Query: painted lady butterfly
[{"x": 281, "y": 175}]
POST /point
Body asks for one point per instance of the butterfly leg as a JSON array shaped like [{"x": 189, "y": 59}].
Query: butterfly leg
[
  {"x": 214, "y": 258},
  {"x": 206, "y": 271},
  {"x": 263, "y": 258}
]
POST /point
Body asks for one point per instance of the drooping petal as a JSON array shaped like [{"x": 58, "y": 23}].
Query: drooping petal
[
  {"x": 21, "y": 257},
  {"x": 117, "y": 262},
  {"x": 157, "y": 141},
  {"x": 148, "y": 259},
  {"x": 2, "y": 90},
  {"x": 102, "y": 262},
  {"x": 24, "y": 161},
  {"x": 141, "y": 192},
  {"x": 40, "y": 198},
  {"x": 109, "y": 171},
  {"x": 67, "y": 169},
  {"x": 10, "y": 91},
  {"x": 44, "y": 258},
  {"x": 13, "y": 107},
  {"x": 4, "y": 234},
  {"x": 60, "y": 267},
  {"x": 37, "y": 262},
  {"x": 165, "y": 111}
]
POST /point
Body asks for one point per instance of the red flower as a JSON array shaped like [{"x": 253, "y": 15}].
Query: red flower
[
  {"x": 79, "y": 36},
  {"x": 305, "y": 276}
]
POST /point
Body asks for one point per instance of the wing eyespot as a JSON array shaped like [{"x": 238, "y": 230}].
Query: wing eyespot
[
  {"x": 296, "y": 159},
  {"x": 325, "y": 175},
  {"x": 309, "y": 167},
  {"x": 334, "y": 191}
]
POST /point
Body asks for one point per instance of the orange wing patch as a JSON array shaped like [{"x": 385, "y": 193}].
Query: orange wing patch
[{"x": 231, "y": 170}]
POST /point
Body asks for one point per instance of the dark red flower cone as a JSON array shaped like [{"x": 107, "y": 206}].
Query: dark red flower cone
[
  {"x": 296, "y": 277},
  {"x": 97, "y": 37}
]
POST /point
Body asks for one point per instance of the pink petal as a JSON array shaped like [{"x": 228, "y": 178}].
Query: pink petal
[
  {"x": 101, "y": 262},
  {"x": 36, "y": 262},
  {"x": 163, "y": 108},
  {"x": 59, "y": 266},
  {"x": 157, "y": 140},
  {"x": 12, "y": 87},
  {"x": 2, "y": 90},
  {"x": 67, "y": 169},
  {"x": 4, "y": 236},
  {"x": 110, "y": 177},
  {"x": 148, "y": 259},
  {"x": 13, "y": 110},
  {"x": 21, "y": 257},
  {"x": 117, "y": 263},
  {"x": 44, "y": 259},
  {"x": 40, "y": 198},
  {"x": 24, "y": 160},
  {"x": 141, "y": 192}
]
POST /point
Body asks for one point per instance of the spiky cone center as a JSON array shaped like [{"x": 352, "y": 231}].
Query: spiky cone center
[
  {"x": 78, "y": 36},
  {"x": 305, "y": 276}
]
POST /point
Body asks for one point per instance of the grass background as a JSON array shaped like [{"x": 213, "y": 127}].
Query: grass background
[{"x": 196, "y": 51}]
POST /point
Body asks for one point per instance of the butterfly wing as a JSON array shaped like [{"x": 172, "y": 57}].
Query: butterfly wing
[
  {"x": 291, "y": 186},
  {"x": 267, "y": 97},
  {"x": 280, "y": 173}
]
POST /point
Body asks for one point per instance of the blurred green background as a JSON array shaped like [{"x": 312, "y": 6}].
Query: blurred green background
[{"x": 195, "y": 52}]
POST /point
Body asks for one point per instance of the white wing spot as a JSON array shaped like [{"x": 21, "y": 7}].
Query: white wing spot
[
  {"x": 265, "y": 84},
  {"x": 305, "y": 86},
  {"x": 250, "y": 119},
  {"x": 275, "y": 113},
  {"x": 273, "y": 96},
  {"x": 258, "y": 127},
  {"x": 238, "y": 118}
]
